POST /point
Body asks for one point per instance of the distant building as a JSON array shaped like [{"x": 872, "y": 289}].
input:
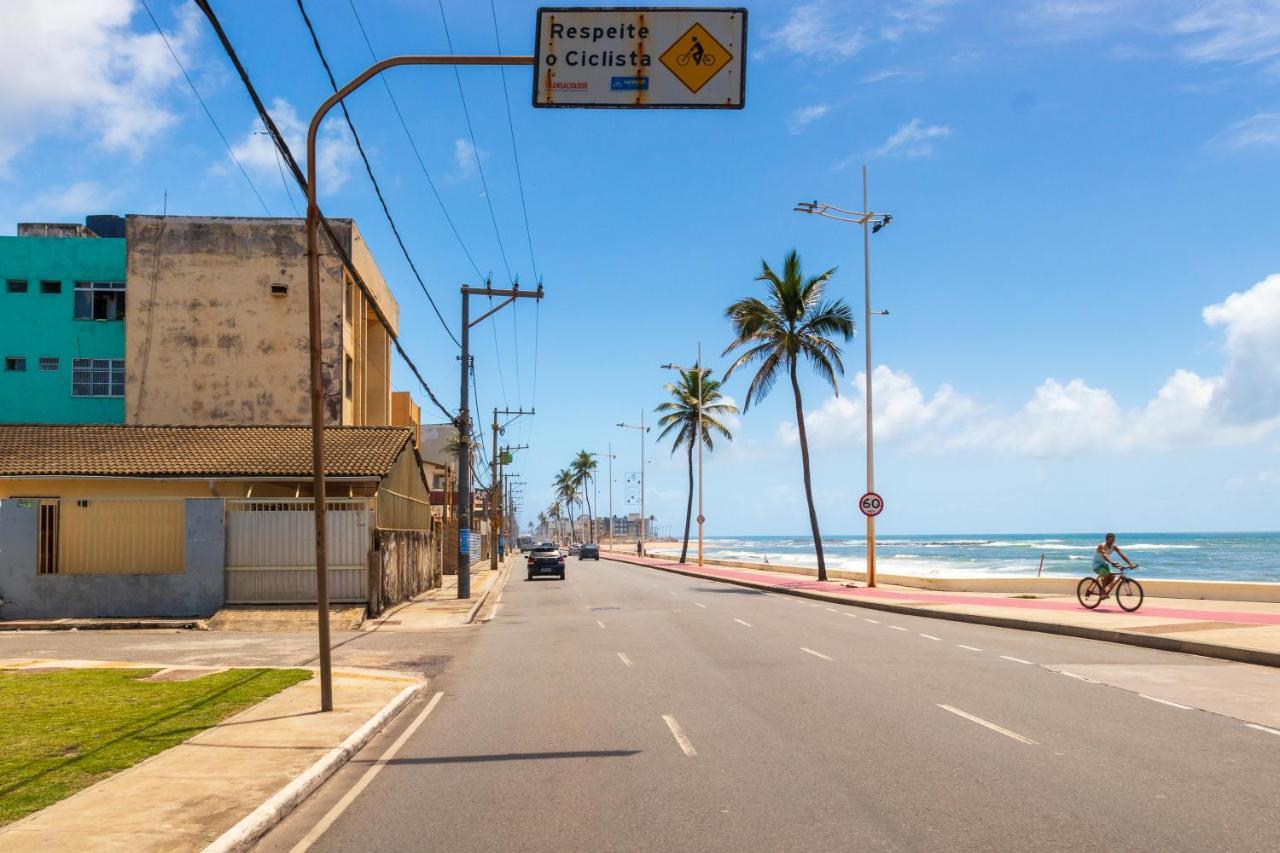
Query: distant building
[
  {"x": 62, "y": 297},
  {"x": 217, "y": 329}
]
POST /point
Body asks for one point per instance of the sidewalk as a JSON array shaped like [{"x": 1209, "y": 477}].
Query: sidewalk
[
  {"x": 186, "y": 797},
  {"x": 1248, "y": 632},
  {"x": 440, "y": 607}
]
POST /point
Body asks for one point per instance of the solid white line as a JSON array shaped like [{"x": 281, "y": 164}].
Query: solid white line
[
  {"x": 1269, "y": 731},
  {"x": 598, "y": 622},
  {"x": 970, "y": 648},
  {"x": 1016, "y": 660},
  {"x": 740, "y": 622},
  {"x": 989, "y": 725},
  {"x": 930, "y": 637},
  {"x": 679, "y": 735},
  {"x": 339, "y": 807},
  {"x": 815, "y": 654},
  {"x": 703, "y": 606},
  {"x": 622, "y": 657},
  {"x": 897, "y": 627},
  {"x": 872, "y": 621},
  {"x": 1165, "y": 702}
]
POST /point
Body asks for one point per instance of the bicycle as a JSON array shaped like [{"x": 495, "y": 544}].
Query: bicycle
[
  {"x": 1128, "y": 592},
  {"x": 686, "y": 57}
]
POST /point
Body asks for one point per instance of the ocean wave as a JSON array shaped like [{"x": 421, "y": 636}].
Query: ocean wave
[{"x": 1159, "y": 546}]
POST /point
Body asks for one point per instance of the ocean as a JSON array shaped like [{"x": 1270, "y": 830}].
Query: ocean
[{"x": 1191, "y": 556}]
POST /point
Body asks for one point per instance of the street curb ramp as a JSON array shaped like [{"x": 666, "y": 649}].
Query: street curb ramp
[
  {"x": 261, "y": 820},
  {"x": 1109, "y": 635}
]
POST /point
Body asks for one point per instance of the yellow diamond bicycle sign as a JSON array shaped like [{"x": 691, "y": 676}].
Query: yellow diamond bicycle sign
[{"x": 696, "y": 57}]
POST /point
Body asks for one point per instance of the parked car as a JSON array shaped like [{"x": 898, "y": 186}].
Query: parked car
[
  {"x": 590, "y": 551},
  {"x": 546, "y": 559},
  {"x": 575, "y": 548}
]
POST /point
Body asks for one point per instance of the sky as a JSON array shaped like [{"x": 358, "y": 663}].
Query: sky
[{"x": 1082, "y": 274}]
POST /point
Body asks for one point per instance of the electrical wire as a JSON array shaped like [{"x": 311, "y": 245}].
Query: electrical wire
[
  {"x": 315, "y": 40},
  {"x": 298, "y": 176},
  {"x": 205, "y": 106}
]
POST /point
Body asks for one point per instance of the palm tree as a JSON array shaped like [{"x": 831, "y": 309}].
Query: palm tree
[
  {"x": 690, "y": 404},
  {"x": 566, "y": 486},
  {"x": 553, "y": 513},
  {"x": 542, "y": 522},
  {"x": 584, "y": 469},
  {"x": 791, "y": 322}
]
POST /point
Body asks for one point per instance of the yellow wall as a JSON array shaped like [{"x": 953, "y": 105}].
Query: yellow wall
[{"x": 403, "y": 502}]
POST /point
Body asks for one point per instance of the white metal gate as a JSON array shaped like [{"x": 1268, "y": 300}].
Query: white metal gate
[{"x": 271, "y": 550}]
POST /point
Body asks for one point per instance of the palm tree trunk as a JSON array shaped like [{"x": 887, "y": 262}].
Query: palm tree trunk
[
  {"x": 808, "y": 480},
  {"x": 688, "y": 508},
  {"x": 571, "y": 529},
  {"x": 591, "y": 522}
]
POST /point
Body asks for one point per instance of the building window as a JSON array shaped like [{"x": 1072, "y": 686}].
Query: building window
[
  {"x": 99, "y": 300},
  {"x": 16, "y": 285},
  {"x": 47, "y": 537},
  {"x": 15, "y": 363},
  {"x": 48, "y": 362},
  {"x": 348, "y": 300},
  {"x": 97, "y": 377},
  {"x": 50, "y": 287},
  {"x": 349, "y": 376}
]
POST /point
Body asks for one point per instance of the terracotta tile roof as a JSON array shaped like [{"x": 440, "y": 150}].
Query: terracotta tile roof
[{"x": 98, "y": 450}]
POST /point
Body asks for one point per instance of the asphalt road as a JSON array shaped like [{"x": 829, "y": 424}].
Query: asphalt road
[{"x": 632, "y": 709}]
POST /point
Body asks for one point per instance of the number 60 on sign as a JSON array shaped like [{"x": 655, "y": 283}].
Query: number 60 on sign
[{"x": 871, "y": 504}]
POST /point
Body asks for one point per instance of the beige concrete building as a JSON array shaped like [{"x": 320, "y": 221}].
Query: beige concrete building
[{"x": 217, "y": 328}]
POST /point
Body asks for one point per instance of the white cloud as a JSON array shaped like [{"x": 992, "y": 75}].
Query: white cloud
[
  {"x": 1258, "y": 131},
  {"x": 814, "y": 30},
  {"x": 76, "y": 66},
  {"x": 908, "y": 17},
  {"x": 74, "y": 200},
  {"x": 892, "y": 74},
  {"x": 805, "y": 116},
  {"x": 465, "y": 158},
  {"x": 913, "y": 139},
  {"x": 1066, "y": 419},
  {"x": 1244, "y": 31},
  {"x": 335, "y": 150}
]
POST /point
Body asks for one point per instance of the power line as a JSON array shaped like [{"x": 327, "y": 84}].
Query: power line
[
  {"x": 205, "y": 106},
  {"x": 315, "y": 40},
  {"x": 283, "y": 147}
]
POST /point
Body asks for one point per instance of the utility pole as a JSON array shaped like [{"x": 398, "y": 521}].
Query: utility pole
[
  {"x": 464, "y": 418},
  {"x": 495, "y": 477},
  {"x": 610, "y": 495},
  {"x": 643, "y": 519},
  {"x": 496, "y": 522}
]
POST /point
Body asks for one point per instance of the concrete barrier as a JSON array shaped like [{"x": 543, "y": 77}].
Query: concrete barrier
[{"x": 1053, "y": 585}]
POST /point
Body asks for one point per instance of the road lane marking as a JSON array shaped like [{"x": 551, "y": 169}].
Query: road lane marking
[
  {"x": 1078, "y": 677},
  {"x": 815, "y": 654},
  {"x": 740, "y": 622},
  {"x": 872, "y": 621},
  {"x": 703, "y": 606},
  {"x": 1269, "y": 731},
  {"x": 852, "y": 615},
  {"x": 970, "y": 648},
  {"x": 672, "y": 592},
  {"x": 931, "y": 637},
  {"x": 622, "y": 657},
  {"x": 598, "y": 622},
  {"x": 897, "y": 627},
  {"x": 1165, "y": 702},
  {"x": 832, "y": 610},
  {"x": 1016, "y": 660},
  {"x": 1001, "y": 729},
  {"x": 679, "y": 735},
  {"x": 339, "y": 807}
]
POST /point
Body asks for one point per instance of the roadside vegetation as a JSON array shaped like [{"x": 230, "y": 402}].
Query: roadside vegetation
[{"x": 65, "y": 730}]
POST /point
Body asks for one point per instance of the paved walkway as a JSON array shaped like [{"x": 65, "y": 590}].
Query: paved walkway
[{"x": 1235, "y": 630}]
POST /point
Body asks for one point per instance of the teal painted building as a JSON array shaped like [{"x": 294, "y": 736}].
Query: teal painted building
[{"x": 62, "y": 297}]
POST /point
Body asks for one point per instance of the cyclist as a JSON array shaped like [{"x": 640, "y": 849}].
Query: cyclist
[
  {"x": 1103, "y": 564},
  {"x": 696, "y": 52}
]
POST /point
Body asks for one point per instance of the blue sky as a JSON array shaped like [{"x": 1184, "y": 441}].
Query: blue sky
[{"x": 1084, "y": 334}]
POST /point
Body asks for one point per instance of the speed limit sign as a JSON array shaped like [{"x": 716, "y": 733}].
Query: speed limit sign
[{"x": 871, "y": 504}]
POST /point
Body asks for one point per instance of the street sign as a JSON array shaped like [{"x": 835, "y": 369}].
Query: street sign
[
  {"x": 702, "y": 519},
  {"x": 871, "y": 504},
  {"x": 641, "y": 58},
  {"x": 464, "y": 541}
]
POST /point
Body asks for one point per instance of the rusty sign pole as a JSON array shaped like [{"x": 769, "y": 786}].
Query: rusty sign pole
[{"x": 313, "y": 318}]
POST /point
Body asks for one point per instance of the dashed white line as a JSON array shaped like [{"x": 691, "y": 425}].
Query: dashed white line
[
  {"x": 1016, "y": 660},
  {"x": 622, "y": 657},
  {"x": 1266, "y": 729},
  {"x": 679, "y": 735},
  {"x": 598, "y": 622},
  {"x": 740, "y": 622},
  {"x": 832, "y": 610},
  {"x": 988, "y": 724},
  {"x": 897, "y": 627},
  {"x": 672, "y": 592},
  {"x": 970, "y": 648},
  {"x": 1165, "y": 702},
  {"x": 703, "y": 606},
  {"x": 1077, "y": 677},
  {"x": 852, "y": 615},
  {"x": 931, "y": 637},
  {"x": 816, "y": 654},
  {"x": 872, "y": 621}
]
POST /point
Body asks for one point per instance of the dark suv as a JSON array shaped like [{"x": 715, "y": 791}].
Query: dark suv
[
  {"x": 544, "y": 560},
  {"x": 590, "y": 551}
]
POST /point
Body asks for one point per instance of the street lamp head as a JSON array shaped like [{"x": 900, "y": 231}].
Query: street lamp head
[
  {"x": 667, "y": 366},
  {"x": 806, "y": 207},
  {"x": 881, "y": 223}
]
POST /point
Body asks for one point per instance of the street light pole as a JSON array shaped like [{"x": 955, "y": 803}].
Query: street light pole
[
  {"x": 643, "y": 520},
  {"x": 871, "y": 223}
]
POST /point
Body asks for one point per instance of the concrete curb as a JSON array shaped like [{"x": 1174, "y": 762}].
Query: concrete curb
[
  {"x": 504, "y": 571},
  {"x": 258, "y": 822},
  {"x": 104, "y": 625},
  {"x": 1167, "y": 644}
]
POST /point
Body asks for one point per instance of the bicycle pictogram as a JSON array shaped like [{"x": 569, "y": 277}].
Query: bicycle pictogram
[{"x": 696, "y": 54}]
